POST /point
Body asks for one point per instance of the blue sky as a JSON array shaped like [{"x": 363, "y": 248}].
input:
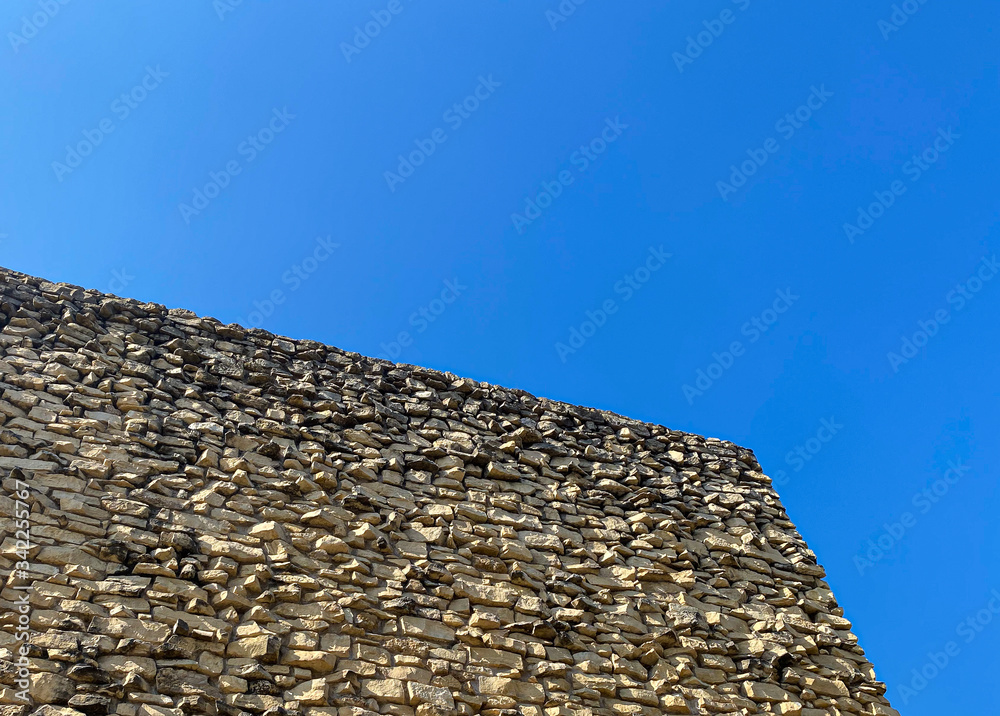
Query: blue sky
[{"x": 771, "y": 224}]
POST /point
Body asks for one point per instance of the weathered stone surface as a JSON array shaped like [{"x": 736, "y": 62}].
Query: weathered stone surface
[
  {"x": 48, "y": 688},
  {"x": 121, "y": 666},
  {"x": 183, "y": 682},
  {"x": 433, "y": 695},
  {"x": 316, "y": 661},
  {"x": 493, "y": 595},
  {"x": 498, "y": 658},
  {"x": 421, "y": 628},
  {"x": 225, "y": 521},
  {"x": 390, "y": 690},
  {"x": 766, "y": 692},
  {"x": 264, "y": 648},
  {"x": 315, "y": 692}
]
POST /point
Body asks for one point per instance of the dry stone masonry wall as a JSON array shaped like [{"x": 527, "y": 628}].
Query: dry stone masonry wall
[{"x": 223, "y": 521}]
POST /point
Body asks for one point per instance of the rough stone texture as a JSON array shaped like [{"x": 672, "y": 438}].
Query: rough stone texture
[{"x": 225, "y": 522}]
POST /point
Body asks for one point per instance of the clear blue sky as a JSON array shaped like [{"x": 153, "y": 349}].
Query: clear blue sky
[{"x": 480, "y": 176}]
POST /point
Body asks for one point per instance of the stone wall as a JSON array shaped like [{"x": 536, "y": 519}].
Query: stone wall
[{"x": 226, "y": 521}]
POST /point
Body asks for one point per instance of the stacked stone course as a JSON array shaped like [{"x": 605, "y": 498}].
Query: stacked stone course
[{"x": 224, "y": 521}]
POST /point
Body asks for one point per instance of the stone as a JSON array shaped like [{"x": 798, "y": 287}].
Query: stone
[
  {"x": 495, "y": 685},
  {"x": 318, "y": 662},
  {"x": 826, "y": 687},
  {"x": 225, "y": 521},
  {"x": 497, "y": 471},
  {"x": 44, "y": 710},
  {"x": 268, "y": 530},
  {"x": 497, "y": 658},
  {"x": 235, "y": 550},
  {"x": 183, "y": 682},
  {"x": 314, "y": 692},
  {"x": 120, "y": 667},
  {"x": 549, "y": 543},
  {"x": 49, "y": 688},
  {"x": 427, "y": 629},
  {"x": 264, "y": 648},
  {"x": 389, "y": 690},
  {"x": 674, "y": 704},
  {"x": 491, "y": 594},
  {"x": 434, "y": 695},
  {"x": 91, "y": 704},
  {"x": 765, "y": 692}
]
